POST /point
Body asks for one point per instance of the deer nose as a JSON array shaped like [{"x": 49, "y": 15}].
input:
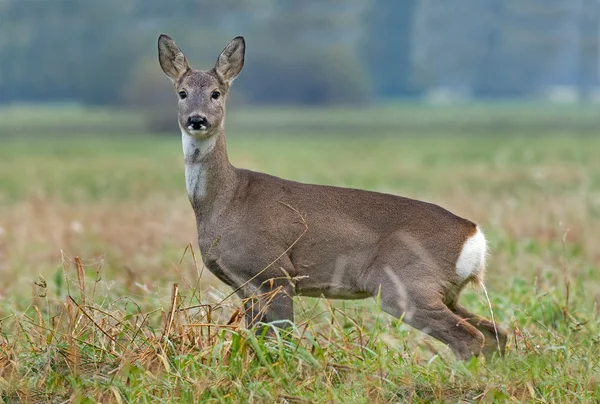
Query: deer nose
[{"x": 197, "y": 122}]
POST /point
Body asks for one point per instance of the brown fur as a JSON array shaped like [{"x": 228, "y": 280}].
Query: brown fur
[{"x": 259, "y": 233}]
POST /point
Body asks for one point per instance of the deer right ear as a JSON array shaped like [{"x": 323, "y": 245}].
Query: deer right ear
[{"x": 171, "y": 58}]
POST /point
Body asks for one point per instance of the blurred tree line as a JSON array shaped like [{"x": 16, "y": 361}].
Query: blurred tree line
[
  {"x": 301, "y": 52},
  {"x": 104, "y": 52},
  {"x": 507, "y": 47}
]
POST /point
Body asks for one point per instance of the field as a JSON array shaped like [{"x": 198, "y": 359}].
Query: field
[{"x": 96, "y": 231}]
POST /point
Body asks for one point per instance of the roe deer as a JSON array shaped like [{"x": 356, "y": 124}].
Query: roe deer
[{"x": 260, "y": 234}]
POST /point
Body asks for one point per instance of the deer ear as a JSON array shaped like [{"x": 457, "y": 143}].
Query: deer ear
[
  {"x": 231, "y": 60},
  {"x": 171, "y": 58}
]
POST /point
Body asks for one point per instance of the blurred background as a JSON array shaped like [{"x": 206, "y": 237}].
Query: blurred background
[
  {"x": 487, "y": 107},
  {"x": 302, "y": 54}
]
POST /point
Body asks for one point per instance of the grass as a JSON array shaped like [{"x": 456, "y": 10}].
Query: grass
[
  {"x": 482, "y": 119},
  {"x": 112, "y": 326}
]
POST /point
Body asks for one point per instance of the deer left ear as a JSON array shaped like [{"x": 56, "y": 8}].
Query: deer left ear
[{"x": 231, "y": 60}]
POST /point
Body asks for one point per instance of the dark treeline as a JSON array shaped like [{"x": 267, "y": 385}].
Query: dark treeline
[{"x": 302, "y": 52}]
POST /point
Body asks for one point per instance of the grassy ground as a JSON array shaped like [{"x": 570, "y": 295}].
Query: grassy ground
[{"x": 112, "y": 327}]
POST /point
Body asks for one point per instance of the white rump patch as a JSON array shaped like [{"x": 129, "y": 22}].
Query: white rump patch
[{"x": 471, "y": 261}]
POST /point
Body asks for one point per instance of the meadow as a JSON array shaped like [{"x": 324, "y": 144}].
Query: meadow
[{"x": 103, "y": 297}]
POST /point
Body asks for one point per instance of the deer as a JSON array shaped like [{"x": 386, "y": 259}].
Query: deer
[{"x": 271, "y": 239}]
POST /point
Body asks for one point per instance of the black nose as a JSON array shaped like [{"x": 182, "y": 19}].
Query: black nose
[{"x": 197, "y": 122}]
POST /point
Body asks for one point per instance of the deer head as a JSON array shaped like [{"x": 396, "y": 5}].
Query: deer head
[{"x": 202, "y": 94}]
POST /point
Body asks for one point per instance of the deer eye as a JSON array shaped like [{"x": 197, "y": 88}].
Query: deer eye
[
  {"x": 182, "y": 95},
  {"x": 215, "y": 95}
]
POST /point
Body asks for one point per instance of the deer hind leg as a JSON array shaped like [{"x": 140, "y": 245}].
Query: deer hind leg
[
  {"x": 433, "y": 317},
  {"x": 495, "y": 337},
  {"x": 439, "y": 322}
]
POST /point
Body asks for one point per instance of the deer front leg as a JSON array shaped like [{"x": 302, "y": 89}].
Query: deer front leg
[{"x": 271, "y": 303}]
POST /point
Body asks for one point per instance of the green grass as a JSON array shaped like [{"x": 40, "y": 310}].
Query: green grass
[
  {"x": 407, "y": 118},
  {"x": 102, "y": 328}
]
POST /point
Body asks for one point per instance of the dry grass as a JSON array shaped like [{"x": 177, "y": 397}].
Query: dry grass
[{"x": 113, "y": 327}]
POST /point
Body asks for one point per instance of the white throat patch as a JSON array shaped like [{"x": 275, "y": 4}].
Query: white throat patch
[{"x": 194, "y": 152}]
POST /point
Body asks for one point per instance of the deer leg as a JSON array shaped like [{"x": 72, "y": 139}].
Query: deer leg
[
  {"x": 432, "y": 317},
  {"x": 495, "y": 337},
  {"x": 272, "y": 304},
  {"x": 439, "y": 322}
]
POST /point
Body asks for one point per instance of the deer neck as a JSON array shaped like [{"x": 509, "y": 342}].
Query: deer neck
[{"x": 209, "y": 177}]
